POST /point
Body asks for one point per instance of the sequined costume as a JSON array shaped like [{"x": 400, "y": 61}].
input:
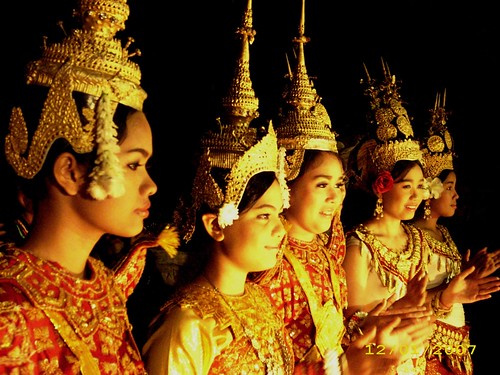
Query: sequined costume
[
  {"x": 54, "y": 323},
  {"x": 311, "y": 277},
  {"x": 393, "y": 269},
  {"x": 202, "y": 331},
  {"x": 449, "y": 347}
]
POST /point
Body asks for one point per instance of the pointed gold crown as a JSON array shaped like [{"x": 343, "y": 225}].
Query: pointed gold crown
[
  {"x": 437, "y": 147},
  {"x": 236, "y": 147},
  {"x": 303, "y": 122},
  {"x": 239, "y": 106},
  {"x": 89, "y": 60},
  {"x": 391, "y": 137}
]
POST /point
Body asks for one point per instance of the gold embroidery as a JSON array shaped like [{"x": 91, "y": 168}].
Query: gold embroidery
[
  {"x": 447, "y": 249},
  {"x": 394, "y": 266}
]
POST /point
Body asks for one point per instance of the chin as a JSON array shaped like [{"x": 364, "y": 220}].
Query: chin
[
  {"x": 410, "y": 216},
  {"x": 324, "y": 224},
  {"x": 131, "y": 231}
]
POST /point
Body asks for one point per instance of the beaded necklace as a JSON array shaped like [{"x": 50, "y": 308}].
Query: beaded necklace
[{"x": 272, "y": 366}]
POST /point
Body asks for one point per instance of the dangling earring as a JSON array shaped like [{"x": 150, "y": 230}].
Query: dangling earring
[
  {"x": 427, "y": 210},
  {"x": 379, "y": 209}
]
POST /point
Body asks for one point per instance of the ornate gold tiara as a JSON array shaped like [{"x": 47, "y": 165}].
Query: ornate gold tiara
[
  {"x": 235, "y": 146},
  {"x": 303, "y": 122},
  {"x": 391, "y": 138},
  {"x": 437, "y": 147},
  {"x": 91, "y": 61}
]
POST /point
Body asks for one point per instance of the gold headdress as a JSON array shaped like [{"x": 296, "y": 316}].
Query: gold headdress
[
  {"x": 391, "y": 137},
  {"x": 89, "y": 60},
  {"x": 303, "y": 122},
  {"x": 235, "y": 146},
  {"x": 437, "y": 147}
]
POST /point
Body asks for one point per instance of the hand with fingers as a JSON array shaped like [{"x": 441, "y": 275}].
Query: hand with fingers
[
  {"x": 389, "y": 340},
  {"x": 466, "y": 288},
  {"x": 485, "y": 262},
  {"x": 415, "y": 290}
]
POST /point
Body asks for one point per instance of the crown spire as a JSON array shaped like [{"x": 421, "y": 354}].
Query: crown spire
[
  {"x": 236, "y": 146},
  {"x": 390, "y": 137},
  {"x": 303, "y": 122},
  {"x": 241, "y": 104},
  {"x": 301, "y": 93},
  {"x": 437, "y": 146}
]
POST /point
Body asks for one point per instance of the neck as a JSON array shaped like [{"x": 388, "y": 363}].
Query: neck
[
  {"x": 430, "y": 223},
  {"x": 229, "y": 283},
  {"x": 299, "y": 233},
  {"x": 384, "y": 226},
  {"x": 69, "y": 249}
]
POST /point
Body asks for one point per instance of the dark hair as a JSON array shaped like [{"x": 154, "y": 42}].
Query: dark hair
[
  {"x": 311, "y": 157},
  {"x": 443, "y": 175},
  {"x": 402, "y": 167}
]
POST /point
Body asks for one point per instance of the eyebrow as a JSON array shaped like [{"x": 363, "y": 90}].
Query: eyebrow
[
  {"x": 142, "y": 151},
  {"x": 409, "y": 180},
  {"x": 267, "y": 205},
  {"x": 329, "y": 176}
]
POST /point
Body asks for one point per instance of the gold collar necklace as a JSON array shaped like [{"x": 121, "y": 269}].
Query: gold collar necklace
[{"x": 271, "y": 366}]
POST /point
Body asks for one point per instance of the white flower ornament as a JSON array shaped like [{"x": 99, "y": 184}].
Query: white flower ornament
[
  {"x": 433, "y": 188},
  {"x": 227, "y": 214}
]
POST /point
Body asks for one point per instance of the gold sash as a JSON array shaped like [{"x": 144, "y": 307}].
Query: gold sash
[
  {"x": 328, "y": 320},
  {"x": 88, "y": 364}
]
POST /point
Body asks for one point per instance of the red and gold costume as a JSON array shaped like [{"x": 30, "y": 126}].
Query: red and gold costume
[
  {"x": 393, "y": 270},
  {"x": 201, "y": 331},
  {"x": 449, "y": 347},
  {"x": 311, "y": 278},
  {"x": 52, "y": 322}
]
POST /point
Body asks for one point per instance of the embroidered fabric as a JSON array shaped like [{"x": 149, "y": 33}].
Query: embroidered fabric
[{"x": 94, "y": 309}]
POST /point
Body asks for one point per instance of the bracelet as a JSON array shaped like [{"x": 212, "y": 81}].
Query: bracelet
[
  {"x": 437, "y": 308},
  {"x": 354, "y": 325}
]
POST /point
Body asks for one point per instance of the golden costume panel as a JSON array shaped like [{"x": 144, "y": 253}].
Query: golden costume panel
[
  {"x": 205, "y": 332},
  {"x": 311, "y": 278},
  {"x": 52, "y": 322},
  {"x": 449, "y": 348},
  {"x": 393, "y": 272}
]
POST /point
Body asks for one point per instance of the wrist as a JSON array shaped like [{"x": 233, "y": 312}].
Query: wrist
[
  {"x": 439, "y": 310},
  {"x": 354, "y": 325},
  {"x": 444, "y": 300}
]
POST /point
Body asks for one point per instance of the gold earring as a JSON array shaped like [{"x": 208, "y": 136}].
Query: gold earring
[
  {"x": 427, "y": 210},
  {"x": 379, "y": 209}
]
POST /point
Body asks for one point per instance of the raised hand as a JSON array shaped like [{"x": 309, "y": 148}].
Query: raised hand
[
  {"x": 485, "y": 262},
  {"x": 415, "y": 290},
  {"x": 388, "y": 340},
  {"x": 466, "y": 288}
]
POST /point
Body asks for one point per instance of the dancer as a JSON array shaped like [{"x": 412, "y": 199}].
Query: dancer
[
  {"x": 452, "y": 281},
  {"x": 308, "y": 286},
  {"x": 85, "y": 174},
  {"x": 386, "y": 258}
]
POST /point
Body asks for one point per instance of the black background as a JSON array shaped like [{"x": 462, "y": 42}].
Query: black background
[{"x": 188, "y": 54}]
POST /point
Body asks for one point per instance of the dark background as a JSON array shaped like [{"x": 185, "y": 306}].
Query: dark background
[{"x": 188, "y": 55}]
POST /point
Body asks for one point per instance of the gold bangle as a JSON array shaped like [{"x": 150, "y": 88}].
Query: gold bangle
[{"x": 437, "y": 308}]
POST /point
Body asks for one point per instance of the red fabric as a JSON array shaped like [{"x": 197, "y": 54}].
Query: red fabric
[
  {"x": 95, "y": 309},
  {"x": 289, "y": 297}
]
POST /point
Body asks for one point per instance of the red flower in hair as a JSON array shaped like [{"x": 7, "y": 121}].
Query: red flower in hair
[{"x": 383, "y": 183}]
